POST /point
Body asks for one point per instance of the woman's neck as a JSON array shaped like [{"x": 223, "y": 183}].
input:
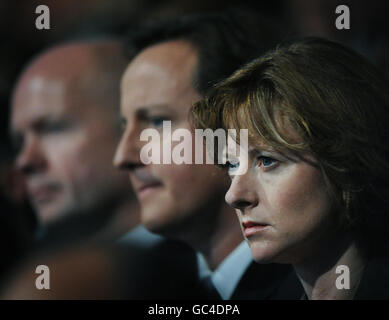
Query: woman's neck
[{"x": 321, "y": 277}]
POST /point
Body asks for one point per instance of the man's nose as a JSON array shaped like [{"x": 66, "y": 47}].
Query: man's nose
[
  {"x": 127, "y": 153},
  {"x": 242, "y": 194},
  {"x": 31, "y": 157}
]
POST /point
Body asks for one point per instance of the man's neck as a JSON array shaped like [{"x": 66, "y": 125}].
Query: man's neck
[
  {"x": 105, "y": 225},
  {"x": 124, "y": 218},
  {"x": 226, "y": 236}
]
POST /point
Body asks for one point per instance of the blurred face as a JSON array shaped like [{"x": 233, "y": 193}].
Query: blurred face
[
  {"x": 157, "y": 86},
  {"x": 65, "y": 143},
  {"x": 283, "y": 206}
]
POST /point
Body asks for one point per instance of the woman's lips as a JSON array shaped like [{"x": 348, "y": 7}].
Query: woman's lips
[{"x": 250, "y": 228}]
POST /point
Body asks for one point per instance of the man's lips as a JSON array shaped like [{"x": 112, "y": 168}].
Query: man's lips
[
  {"x": 146, "y": 189},
  {"x": 42, "y": 193},
  {"x": 250, "y": 228},
  {"x": 148, "y": 186},
  {"x": 144, "y": 182}
]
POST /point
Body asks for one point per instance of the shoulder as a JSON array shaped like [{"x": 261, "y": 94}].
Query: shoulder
[
  {"x": 269, "y": 281},
  {"x": 375, "y": 280}
]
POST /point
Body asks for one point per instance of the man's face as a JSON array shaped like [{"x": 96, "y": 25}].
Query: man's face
[
  {"x": 66, "y": 143},
  {"x": 157, "y": 86}
]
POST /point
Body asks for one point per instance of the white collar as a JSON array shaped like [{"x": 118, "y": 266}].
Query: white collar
[
  {"x": 227, "y": 275},
  {"x": 140, "y": 236}
]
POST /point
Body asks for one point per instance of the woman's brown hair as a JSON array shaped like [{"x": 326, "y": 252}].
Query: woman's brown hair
[{"x": 334, "y": 100}]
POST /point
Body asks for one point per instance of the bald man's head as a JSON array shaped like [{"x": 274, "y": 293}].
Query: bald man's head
[
  {"x": 87, "y": 71},
  {"x": 63, "y": 119}
]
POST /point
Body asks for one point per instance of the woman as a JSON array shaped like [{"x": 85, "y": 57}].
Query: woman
[{"x": 316, "y": 190}]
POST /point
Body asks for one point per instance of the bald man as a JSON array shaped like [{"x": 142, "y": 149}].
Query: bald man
[{"x": 64, "y": 124}]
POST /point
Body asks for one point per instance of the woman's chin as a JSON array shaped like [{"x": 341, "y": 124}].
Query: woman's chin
[{"x": 265, "y": 254}]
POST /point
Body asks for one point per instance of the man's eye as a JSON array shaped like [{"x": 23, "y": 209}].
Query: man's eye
[
  {"x": 17, "y": 144},
  {"x": 231, "y": 166},
  {"x": 157, "y": 121},
  {"x": 54, "y": 127},
  {"x": 123, "y": 124}
]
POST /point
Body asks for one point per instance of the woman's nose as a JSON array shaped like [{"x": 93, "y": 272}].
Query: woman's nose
[{"x": 241, "y": 194}]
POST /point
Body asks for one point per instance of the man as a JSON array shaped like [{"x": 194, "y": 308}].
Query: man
[
  {"x": 174, "y": 65},
  {"x": 65, "y": 125}
]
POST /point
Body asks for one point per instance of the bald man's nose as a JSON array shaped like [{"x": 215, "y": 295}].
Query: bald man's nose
[
  {"x": 31, "y": 159},
  {"x": 127, "y": 153}
]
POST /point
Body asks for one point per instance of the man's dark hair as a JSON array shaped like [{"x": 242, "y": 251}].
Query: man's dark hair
[{"x": 225, "y": 41}]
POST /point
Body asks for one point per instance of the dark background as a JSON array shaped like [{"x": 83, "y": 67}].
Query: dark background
[{"x": 72, "y": 18}]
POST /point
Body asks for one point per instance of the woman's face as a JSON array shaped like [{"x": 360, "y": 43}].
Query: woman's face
[{"x": 283, "y": 205}]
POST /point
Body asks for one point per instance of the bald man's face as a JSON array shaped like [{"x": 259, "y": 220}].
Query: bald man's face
[
  {"x": 66, "y": 143},
  {"x": 175, "y": 199}
]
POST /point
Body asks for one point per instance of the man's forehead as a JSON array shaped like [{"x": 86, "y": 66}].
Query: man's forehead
[
  {"x": 66, "y": 59},
  {"x": 60, "y": 68},
  {"x": 39, "y": 84},
  {"x": 35, "y": 92},
  {"x": 160, "y": 75},
  {"x": 173, "y": 59},
  {"x": 169, "y": 53}
]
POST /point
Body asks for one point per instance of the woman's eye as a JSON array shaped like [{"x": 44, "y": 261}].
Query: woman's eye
[{"x": 266, "y": 162}]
